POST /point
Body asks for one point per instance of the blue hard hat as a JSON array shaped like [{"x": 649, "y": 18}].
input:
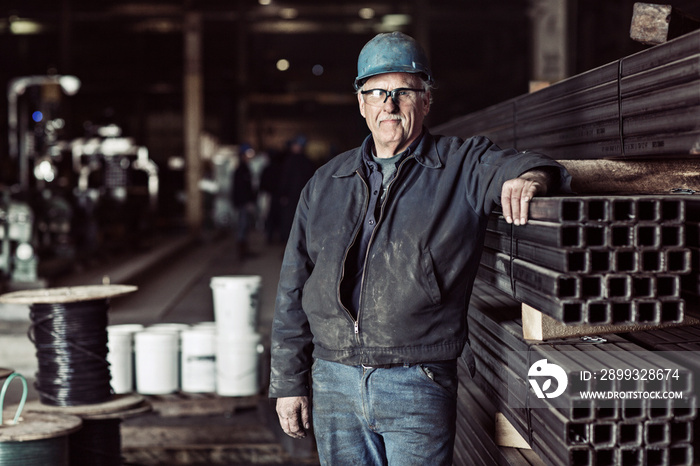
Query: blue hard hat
[{"x": 391, "y": 53}]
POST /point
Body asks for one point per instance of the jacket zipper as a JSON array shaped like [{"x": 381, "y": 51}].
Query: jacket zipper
[
  {"x": 371, "y": 239},
  {"x": 356, "y": 324}
]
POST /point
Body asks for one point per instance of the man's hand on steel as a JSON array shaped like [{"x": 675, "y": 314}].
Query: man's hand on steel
[
  {"x": 294, "y": 414},
  {"x": 517, "y": 193}
]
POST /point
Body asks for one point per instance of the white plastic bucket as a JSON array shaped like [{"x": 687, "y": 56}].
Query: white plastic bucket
[
  {"x": 177, "y": 327},
  {"x": 237, "y": 364},
  {"x": 129, "y": 328},
  {"x": 236, "y": 303},
  {"x": 210, "y": 324},
  {"x": 198, "y": 360},
  {"x": 120, "y": 343},
  {"x": 157, "y": 362}
]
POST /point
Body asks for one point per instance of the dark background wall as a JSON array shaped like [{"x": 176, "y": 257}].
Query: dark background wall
[{"x": 129, "y": 57}]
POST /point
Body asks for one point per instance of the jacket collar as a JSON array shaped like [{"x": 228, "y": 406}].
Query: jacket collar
[{"x": 425, "y": 153}]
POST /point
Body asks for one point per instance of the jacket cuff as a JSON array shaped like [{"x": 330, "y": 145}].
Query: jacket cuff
[{"x": 298, "y": 386}]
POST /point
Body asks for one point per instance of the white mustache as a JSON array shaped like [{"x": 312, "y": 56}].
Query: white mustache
[{"x": 391, "y": 117}]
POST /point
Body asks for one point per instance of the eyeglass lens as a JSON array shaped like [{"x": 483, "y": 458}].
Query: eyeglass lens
[{"x": 399, "y": 95}]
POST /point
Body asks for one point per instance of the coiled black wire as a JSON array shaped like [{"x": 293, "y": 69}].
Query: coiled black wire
[
  {"x": 71, "y": 348},
  {"x": 97, "y": 443},
  {"x": 53, "y": 451}
]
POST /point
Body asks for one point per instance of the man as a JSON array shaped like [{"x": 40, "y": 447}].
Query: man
[
  {"x": 244, "y": 198},
  {"x": 296, "y": 172},
  {"x": 379, "y": 267}
]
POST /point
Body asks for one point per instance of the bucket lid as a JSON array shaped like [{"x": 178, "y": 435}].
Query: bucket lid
[
  {"x": 124, "y": 328},
  {"x": 196, "y": 331},
  {"x": 205, "y": 324},
  {"x": 172, "y": 326},
  {"x": 235, "y": 280}
]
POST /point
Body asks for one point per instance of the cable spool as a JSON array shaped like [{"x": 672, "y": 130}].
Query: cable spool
[
  {"x": 71, "y": 346},
  {"x": 37, "y": 440},
  {"x": 69, "y": 330},
  {"x": 33, "y": 439},
  {"x": 98, "y": 442}
]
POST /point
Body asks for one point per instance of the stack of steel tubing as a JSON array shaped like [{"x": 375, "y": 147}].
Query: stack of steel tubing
[
  {"x": 681, "y": 344},
  {"x": 646, "y": 104},
  {"x": 690, "y": 284},
  {"x": 474, "y": 439},
  {"x": 572, "y": 430},
  {"x": 593, "y": 260}
]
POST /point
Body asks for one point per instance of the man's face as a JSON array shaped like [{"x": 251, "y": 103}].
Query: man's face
[{"x": 394, "y": 126}]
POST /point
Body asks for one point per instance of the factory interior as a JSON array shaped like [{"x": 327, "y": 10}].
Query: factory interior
[{"x": 125, "y": 123}]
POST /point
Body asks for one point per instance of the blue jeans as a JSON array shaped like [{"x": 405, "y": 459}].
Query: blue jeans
[{"x": 401, "y": 415}]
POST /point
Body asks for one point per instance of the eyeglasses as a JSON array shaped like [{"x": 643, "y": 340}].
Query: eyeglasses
[{"x": 400, "y": 95}]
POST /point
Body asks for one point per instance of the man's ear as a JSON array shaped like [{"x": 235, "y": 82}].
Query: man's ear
[
  {"x": 426, "y": 103},
  {"x": 361, "y": 103}
]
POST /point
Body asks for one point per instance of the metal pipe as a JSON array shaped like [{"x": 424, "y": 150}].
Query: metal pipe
[{"x": 560, "y": 260}]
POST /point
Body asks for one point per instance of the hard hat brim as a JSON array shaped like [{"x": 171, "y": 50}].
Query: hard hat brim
[{"x": 360, "y": 80}]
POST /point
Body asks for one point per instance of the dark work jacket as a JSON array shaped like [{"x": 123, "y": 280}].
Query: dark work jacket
[{"x": 420, "y": 263}]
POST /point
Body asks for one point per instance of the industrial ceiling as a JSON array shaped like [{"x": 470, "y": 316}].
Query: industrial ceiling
[{"x": 290, "y": 62}]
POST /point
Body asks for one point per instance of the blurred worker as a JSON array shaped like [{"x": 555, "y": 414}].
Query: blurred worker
[
  {"x": 244, "y": 198},
  {"x": 379, "y": 267},
  {"x": 297, "y": 169},
  {"x": 270, "y": 186}
]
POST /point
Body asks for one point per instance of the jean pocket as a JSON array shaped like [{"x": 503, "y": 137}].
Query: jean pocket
[{"x": 443, "y": 374}]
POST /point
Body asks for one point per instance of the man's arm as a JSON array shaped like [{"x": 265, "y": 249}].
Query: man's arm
[
  {"x": 291, "y": 339},
  {"x": 517, "y": 193},
  {"x": 294, "y": 414}
]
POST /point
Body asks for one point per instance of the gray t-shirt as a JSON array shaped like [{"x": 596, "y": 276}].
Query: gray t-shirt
[{"x": 388, "y": 169}]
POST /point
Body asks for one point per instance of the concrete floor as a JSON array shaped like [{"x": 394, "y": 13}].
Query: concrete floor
[{"x": 178, "y": 289}]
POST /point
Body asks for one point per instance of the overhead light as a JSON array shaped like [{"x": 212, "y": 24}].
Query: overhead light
[
  {"x": 21, "y": 26},
  {"x": 158, "y": 25},
  {"x": 283, "y": 64},
  {"x": 289, "y": 13},
  {"x": 366, "y": 13},
  {"x": 145, "y": 9},
  {"x": 45, "y": 171},
  {"x": 395, "y": 21},
  {"x": 69, "y": 84},
  {"x": 264, "y": 2}
]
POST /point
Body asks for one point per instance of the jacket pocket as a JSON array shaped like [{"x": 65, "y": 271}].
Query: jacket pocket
[{"x": 430, "y": 283}]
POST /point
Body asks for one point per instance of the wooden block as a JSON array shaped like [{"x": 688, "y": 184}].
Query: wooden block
[
  {"x": 537, "y": 85},
  {"x": 654, "y": 24},
  {"x": 538, "y": 326},
  {"x": 507, "y": 436}
]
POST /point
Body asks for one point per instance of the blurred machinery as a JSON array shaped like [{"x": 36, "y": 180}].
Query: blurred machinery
[
  {"x": 116, "y": 194},
  {"x": 18, "y": 261},
  {"x": 71, "y": 200}
]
